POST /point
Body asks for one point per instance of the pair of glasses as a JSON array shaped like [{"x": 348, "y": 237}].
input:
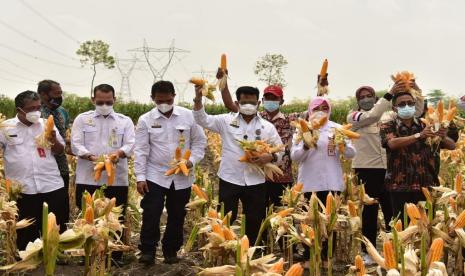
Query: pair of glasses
[
  {"x": 403, "y": 104},
  {"x": 102, "y": 103}
]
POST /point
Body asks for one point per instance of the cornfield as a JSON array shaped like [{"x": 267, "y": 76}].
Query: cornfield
[{"x": 428, "y": 240}]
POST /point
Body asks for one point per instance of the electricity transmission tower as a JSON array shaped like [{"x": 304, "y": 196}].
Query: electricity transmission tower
[
  {"x": 125, "y": 67},
  {"x": 163, "y": 62}
]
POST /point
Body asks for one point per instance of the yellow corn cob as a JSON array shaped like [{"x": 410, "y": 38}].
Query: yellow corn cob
[
  {"x": 178, "y": 154},
  {"x": 413, "y": 213},
  {"x": 223, "y": 65},
  {"x": 303, "y": 125},
  {"x": 49, "y": 125},
  {"x": 187, "y": 155},
  {"x": 216, "y": 228},
  {"x": 440, "y": 111},
  {"x": 228, "y": 234},
  {"x": 199, "y": 192},
  {"x": 360, "y": 266},
  {"x": 460, "y": 221},
  {"x": 286, "y": 212},
  {"x": 307, "y": 231},
  {"x": 89, "y": 216},
  {"x": 295, "y": 270},
  {"x": 298, "y": 187},
  {"x": 329, "y": 204},
  {"x": 458, "y": 183},
  {"x": 453, "y": 203},
  {"x": 349, "y": 133},
  {"x": 435, "y": 251},
  {"x": 427, "y": 194},
  {"x": 88, "y": 199},
  {"x": 212, "y": 213},
  {"x": 277, "y": 267},
  {"x": 244, "y": 248},
  {"x": 352, "y": 208},
  {"x": 317, "y": 124},
  {"x": 198, "y": 81},
  {"x": 7, "y": 185},
  {"x": 389, "y": 259},
  {"x": 451, "y": 114},
  {"x": 98, "y": 169},
  {"x": 324, "y": 69},
  {"x": 171, "y": 171},
  {"x": 183, "y": 168}
]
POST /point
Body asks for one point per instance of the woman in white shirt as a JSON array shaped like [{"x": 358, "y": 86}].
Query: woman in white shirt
[{"x": 320, "y": 169}]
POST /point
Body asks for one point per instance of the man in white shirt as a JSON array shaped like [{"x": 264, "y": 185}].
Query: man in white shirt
[
  {"x": 102, "y": 132},
  {"x": 238, "y": 181},
  {"x": 32, "y": 166},
  {"x": 158, "y": 134}
]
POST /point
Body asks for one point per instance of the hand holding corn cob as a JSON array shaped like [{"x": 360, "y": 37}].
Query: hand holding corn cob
[
  {"x": 180, "y": 163},
  {"x": 340, "y": 136},
  {"x": 206, "y": 88},
  {"x": 106, "y": 163},
  {"x": 222, "y": 74},
  {"x": 309, "y": 131},
  {"x": 408, "y": 80},
  {"x": 46, "y": 139},
  {"x": 254, "y": 152},
  {"x": 438, "y": 120},
  {"x": 323, "y": 80}
]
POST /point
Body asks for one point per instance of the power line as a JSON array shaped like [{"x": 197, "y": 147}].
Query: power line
[
  {"x": 56, "y": 27},
  {"x": 38, "y": 58},
  {"x": 35, "y": 40}
]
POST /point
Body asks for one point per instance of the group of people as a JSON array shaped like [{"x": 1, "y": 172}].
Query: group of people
[{"x": 391, "y": 158}]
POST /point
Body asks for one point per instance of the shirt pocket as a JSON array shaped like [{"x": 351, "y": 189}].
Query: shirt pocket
[
  {"x": 117, "y": 141},
  {"x": 15, "y": 143},
  {"x": 237, "y": 133},
  {"x": 90, "y": 135},
  {"x": 157, "y": 135}
]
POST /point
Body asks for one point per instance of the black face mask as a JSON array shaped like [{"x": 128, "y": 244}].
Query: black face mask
[{"x": 55, "y": 102}]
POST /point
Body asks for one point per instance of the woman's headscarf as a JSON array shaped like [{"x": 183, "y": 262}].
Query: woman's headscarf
[
  {"x": 367, "y": 88},
  {"x": 316, "y": 102}
]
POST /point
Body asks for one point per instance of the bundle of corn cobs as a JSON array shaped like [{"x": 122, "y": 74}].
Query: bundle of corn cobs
[
  {"x": 438, "y": 118},
  {"x": 341, "y": 135},
  {"x": 179, "y": 163},
  {"x": 407, "y": 78},
  {"x": 257, "y": 148},
  {"x": 43, "y": 140},
  {"x": 106, "y": 163},
  {"x": 308, "y": 131}
]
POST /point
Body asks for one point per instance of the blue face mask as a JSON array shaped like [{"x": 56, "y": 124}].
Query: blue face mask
[
  {"x": 271, "y": 106},
  {"x": 406, "y": 112}
]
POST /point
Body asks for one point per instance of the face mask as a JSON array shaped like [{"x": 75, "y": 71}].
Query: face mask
[
  {"x": 247, "y": 109},
  {"x": 56, "y": 102},
  {"x": 461, "y": 105},
  {"x": 367, "y": 103},
  {"x": 271, "y": 106},
  {"x": 406, "y": 112},
  {"x": 33, "y": 117},
  {"x": 163, "y": 108},
  {"x": 104, "y": 109}
]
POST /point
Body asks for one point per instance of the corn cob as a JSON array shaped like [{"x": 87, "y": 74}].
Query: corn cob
[
  {"x": 198, "y": 81},
  {"x": 413, "y": 213},
  {"x": 349, "y": 133},
  {"x": 458, "y": 183},
  {"x": 277, "y": 267},
  {"x": 451, "y": 114},
  {"x": 98, "y": 169},
  {"x": 398, "y": 226},
  {"x": 223, "y": 64},
  {"x": 360, "y": 266},
  {"x": 199, "y": 192},
  {"x": 286, "y": 212},
  {"x": 440, "y": 110},
  {"x": 212, "y": 213},
  {"x": 352, "y": 208},
  {"x": 329, "y": 204},
  {"x": 229, "y": 234},
  {"x": 244, "y": 249},
  {"x": 324, "y": 69},
  {"x": 7, "y": 185},
  {"x": 295, "y": 270},
  {"x": 460, "y": 221},
  {"x": 216, "y": 228},
  {"x": 178, "y": 153},
  {"x": 89, "y": 216},
  {"x": 49, "y": 125},
  {"x": 435, "y": 251},
  {"x": 427, "y": 194},
  {"x": 389, "y": 258}
]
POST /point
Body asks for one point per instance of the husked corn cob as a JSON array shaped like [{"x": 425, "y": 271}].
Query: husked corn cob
[
  {"x": 398, "y": 226},
  {"x": 435, "y": 251},
  {"x": 329, "y": 204},
  {"x": 286, "y": 212},
  {"x": 352, "y": 208},
  {"x": 458, "y": 183},
  {"x": 440, "y": 110},
  {"x": 427, "y": 194},
  {"x": 413, "y": 213},
  {"x": 199, "y": 192},
  {"x": 360, "y": 265},
  {"x": 295, "y": 270},
  {"x": 389, "y": 258},
  {"x": 324, "y": 69},
  {"x": 223, "y": 64},
  {"x": 197, "y": 81},
  {"x": 460, "y": 221},
  {"x": 277, "y": 267}
]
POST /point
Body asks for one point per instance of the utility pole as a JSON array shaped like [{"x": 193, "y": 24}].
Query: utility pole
[
  {"x": 164, "y": 61},
  {"x": 125, "y": 67}
]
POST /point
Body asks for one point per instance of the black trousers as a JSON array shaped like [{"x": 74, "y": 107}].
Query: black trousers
[
  {"x": 120, "y": 193},
  {"x": 30, "y": 206},
  {"x": 274, "y": 192},
  {"x": 66, "y": 206},
  {"x": 153, "y": 204},
  {"x": 253, "y": 199},
  {"x": 398, "y": 200},
  {"x": 324, "y": 245},
  {"x": 374, "y": 187}
]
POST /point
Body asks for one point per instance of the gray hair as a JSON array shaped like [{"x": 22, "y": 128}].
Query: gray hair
[{"x": 24, "y": 97}]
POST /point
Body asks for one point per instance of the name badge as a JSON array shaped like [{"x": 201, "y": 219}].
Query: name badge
[{"x": 41, "y": 152}]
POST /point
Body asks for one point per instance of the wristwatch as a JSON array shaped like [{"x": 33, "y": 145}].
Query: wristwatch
[{"x": 417, "y": 135}]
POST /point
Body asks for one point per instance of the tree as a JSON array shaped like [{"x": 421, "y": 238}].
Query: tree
[
  {"x": 93, "y": 53},
  {"x": 269, "y": 69},
  {"x": 435, "y": 95}
]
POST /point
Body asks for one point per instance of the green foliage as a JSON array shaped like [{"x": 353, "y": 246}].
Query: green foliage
[
  {"x": 269, "y": 69},
  {"x": 435, "y": 95},
  {"x": 7, "y": 106}
]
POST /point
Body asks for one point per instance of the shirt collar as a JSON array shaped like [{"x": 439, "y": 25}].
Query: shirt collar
[
  {"x": 111, "y": 115},
  {"x": 157, "y": 114},
  {"x": 415, "y": 121}
]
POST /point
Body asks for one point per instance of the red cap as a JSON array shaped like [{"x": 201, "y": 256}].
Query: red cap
[{"x": 275, "y": 90}]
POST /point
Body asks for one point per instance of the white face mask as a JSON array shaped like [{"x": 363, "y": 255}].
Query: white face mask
[
  {"x": 33, "y": 117},
  {"x": 104, "y": 109},
  {"x": 163, "y": 108},
  {"x": 248, "y": 109}
]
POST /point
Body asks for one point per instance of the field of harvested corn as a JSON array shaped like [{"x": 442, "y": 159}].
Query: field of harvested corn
[{"x": 428, "y": 240}]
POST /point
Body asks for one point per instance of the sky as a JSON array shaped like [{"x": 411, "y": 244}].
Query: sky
[{"x": 365, "y": 42}]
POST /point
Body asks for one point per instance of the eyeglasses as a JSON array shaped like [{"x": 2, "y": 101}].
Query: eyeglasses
[
  {"x": 100, "y": 103},
  {"x": 403, "y": 104}
]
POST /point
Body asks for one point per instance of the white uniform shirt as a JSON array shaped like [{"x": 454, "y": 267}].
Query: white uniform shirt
[
  {"x": 319, "y": 171},
  {"x": 157, "y": 138},
  {"x": 22, "y": 160},
  {"x": 94, "y": 134},
  {"x": 231, "y": 128}
]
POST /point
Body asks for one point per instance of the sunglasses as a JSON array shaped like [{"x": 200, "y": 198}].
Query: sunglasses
[
  {"x": 100, "y": 103},
  {"x": 403, "y": 104}
]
